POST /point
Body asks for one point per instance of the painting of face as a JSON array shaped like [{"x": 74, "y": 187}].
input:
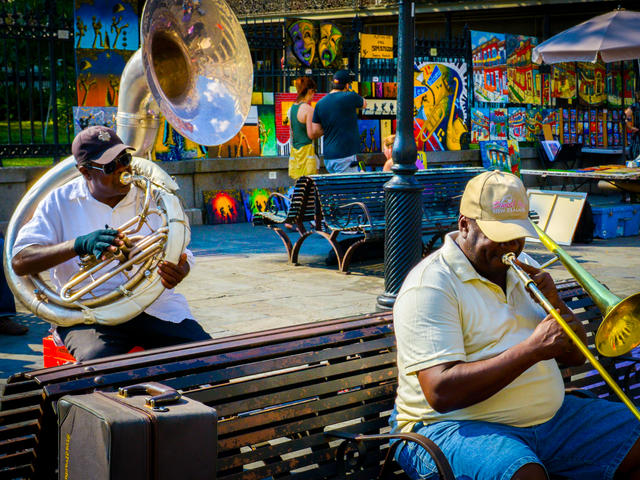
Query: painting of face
[
  {"x": 303, "y": 36},
  {"x": 330, "y": 45}
]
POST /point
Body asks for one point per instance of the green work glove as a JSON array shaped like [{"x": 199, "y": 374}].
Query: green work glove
[{"x": 95, "y": 243}]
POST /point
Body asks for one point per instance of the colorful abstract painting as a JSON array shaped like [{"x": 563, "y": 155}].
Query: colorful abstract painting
[
  {"x": 283, "y": 102},
  {"x": 498, "y": 129},
  {"x": 514, "y": 156},
  {"x": 518, "y": 124},
  {"x": 84, "y": 117},
  {"x": 257, "y": 200},
  {"x": 107, "y": 24},
  {"x": 439, "y": 102},
  {"x": 563, "y": 80},
  {"x": 170, "y": 146},
  {"x": 520, "y": 69},
  {"x": 98, "y": 76},
  {"x": 489, "y": 66},
  {"x": 591, "y": 83},
  {"x": 369, "y": 136},
  {"x": 223, "y": 206},
  {"x": 267, "y": 130},
  {"x": 390, "y": 90},
  {"x": 366, "y": 89}
]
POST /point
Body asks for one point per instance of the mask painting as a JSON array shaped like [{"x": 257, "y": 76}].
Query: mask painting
[
  {"x": 301, "y": 43},
  {"x": 330, "y": 45}
]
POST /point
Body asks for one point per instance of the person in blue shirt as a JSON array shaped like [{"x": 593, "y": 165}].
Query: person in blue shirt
[{"x": 335, "y": 117}]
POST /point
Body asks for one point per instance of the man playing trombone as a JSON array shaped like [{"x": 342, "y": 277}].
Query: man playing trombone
[
  {"x": 72, "y": 221},
  {"x": 477, "y": 359}
]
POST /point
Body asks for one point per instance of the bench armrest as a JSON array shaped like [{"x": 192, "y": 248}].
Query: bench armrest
[
  {"x": 272, "y": 205},
  {"x": 364, "y": 214},
  {"x": 346, "y": 457}
]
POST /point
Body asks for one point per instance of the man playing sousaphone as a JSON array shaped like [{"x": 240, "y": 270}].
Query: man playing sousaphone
[
  {"x": 76, "y": 220},
  {"x": 477, "y": 359}
]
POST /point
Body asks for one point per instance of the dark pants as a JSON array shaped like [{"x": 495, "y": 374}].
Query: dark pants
[
  {"x": 7, "y": 304},
  {"x": 86, "y": 342}
]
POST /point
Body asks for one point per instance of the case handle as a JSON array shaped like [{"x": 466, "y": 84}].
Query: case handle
[{"x": 160, "y": 394}]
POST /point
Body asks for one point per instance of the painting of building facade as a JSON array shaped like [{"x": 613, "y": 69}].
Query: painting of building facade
[
  {"x": 520, "y": 69},
  {"x": 489, "y": 66}
]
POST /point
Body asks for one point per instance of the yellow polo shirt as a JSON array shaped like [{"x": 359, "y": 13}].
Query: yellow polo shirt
[{"x": 445, "y": 312}]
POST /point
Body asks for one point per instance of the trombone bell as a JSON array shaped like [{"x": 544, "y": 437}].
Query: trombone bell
[{"x": 619, "y": 331}]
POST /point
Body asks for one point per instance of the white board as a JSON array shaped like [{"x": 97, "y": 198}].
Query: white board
[{"x": 559, "y": 213}]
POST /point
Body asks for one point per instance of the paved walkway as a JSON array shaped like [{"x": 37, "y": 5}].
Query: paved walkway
[{"x": 242, "y": 283}]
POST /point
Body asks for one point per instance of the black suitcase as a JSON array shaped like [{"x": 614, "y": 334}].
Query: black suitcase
[{"x": 120, "y": 436}]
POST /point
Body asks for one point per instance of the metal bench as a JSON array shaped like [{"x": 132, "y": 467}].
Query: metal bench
[
  {"x": 355, "y": 204},
  {"x": 301, "y": 211},
  {"x": 309, "y": 401}
]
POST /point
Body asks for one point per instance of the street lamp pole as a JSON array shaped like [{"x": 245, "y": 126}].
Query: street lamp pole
[{"x": 403, "y": 205}]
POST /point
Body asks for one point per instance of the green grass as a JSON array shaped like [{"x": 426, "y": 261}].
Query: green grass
[{"x": 38, "y": 128}]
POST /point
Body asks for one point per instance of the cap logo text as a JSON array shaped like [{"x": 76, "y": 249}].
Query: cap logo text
[
  {"x": 507, "y": 204},
  {"x": 104, "y": 136}
]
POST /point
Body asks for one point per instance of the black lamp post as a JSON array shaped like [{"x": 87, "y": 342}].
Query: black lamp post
[{"x": 403, "y": 206}]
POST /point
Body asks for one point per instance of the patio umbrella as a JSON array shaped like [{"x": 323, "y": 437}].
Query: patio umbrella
[{"x": 614, "y": 35}]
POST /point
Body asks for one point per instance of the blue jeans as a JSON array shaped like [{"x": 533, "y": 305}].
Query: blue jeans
[
  {"x": 7, "y": 303},
  {"x": 586, "y": 439}
]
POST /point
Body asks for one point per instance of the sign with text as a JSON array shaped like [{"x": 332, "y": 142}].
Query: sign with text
[{"x": 376, "y": 46}]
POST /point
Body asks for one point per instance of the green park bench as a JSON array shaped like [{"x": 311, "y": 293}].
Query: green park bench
[{"x": 303, "y": 402}]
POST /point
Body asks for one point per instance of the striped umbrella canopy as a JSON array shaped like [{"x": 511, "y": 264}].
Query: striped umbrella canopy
[{"x": 615, "y": 36}]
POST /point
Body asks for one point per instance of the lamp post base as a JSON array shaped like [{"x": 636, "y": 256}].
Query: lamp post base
[{"x": 385, "y": 302}]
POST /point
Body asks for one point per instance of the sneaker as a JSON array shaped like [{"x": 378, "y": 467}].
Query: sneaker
[{"x": 8, "y": 326}]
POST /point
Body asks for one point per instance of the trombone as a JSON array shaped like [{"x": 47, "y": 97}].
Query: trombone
[{"x": 619, "y": 331}]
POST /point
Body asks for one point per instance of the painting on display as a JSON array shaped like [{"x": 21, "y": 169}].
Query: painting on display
[
  {"x": 170, "y": 146},
  {"x": 533, "y": 123},
  {"x": 330, "y": 46},
  {"x": 385, "y": 129},
  {"x": 369, "y": 131},
  {"x": 84, "y": 117},
  {"x": 489, "y": 66},
  {"x": 520, "y": 70},
  {"x": 495, "y": 155},
  {"x": 267, "y": 130},
  {"x": 591, "y": 83},
  {"x": 366, "y": 89},
  {"x": 390, "y": 90},
  {"x": 480, "y": 124},
  {"x": 551, "y": 117},
  {"x": 223, "y": 206},
  {"x": 498, "y": 126},
  {"x": 257, "y": 200},
  {"x": 563, "y": 80},
  {"x": 283, "y": 102},
  {"x": 514, "y": 156},
  {"x": 309, "y": 44},
  {"x": 380, "y": 107},
  {"x": 439, "y": 102},
  {"x": 98, "y": 76},
  {"x": 517, "y": 123},
  {"x": 108, "y": 25},
  {"x": 629, "y": 80}
]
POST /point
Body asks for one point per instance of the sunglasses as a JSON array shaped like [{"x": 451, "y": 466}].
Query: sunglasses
[{"x": 109, "y": 168}]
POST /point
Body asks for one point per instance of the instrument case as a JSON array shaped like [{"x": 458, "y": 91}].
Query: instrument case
[{"x": 109, "y": 436}]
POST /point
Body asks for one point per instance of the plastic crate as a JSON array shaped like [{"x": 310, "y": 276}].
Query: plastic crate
[
  {"x": 616, "y": 221},
  {"x": 54, "y": 355}
]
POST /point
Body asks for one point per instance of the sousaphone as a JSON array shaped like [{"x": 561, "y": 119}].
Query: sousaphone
[{"x": 195, "y": 68}]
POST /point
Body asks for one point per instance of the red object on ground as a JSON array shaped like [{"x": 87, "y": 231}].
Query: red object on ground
[{"x": 54, "y": 356}]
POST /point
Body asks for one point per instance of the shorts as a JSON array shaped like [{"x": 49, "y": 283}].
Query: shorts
[
  {"x": 342, "y": 165},
  {"x": 587, "y": 439}
]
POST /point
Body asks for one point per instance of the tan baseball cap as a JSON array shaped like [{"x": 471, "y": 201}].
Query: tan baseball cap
[{"x": 499, "y": 204}]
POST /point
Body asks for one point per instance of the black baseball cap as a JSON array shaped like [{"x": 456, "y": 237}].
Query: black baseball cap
[
  {"x": 97, "y": 144},
  {"x": 341, "y": 78}
]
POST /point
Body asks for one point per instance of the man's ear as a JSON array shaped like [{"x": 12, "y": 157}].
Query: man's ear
[
  {"x": 463, "y": 226},
  {"x": 84, "y": 171}
]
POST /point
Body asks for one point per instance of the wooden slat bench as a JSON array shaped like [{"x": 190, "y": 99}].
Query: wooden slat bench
[
  {"x": 286, "y": 398},
  {"x": 302, "y": 210},
  {"x": 354, "y": 203}
]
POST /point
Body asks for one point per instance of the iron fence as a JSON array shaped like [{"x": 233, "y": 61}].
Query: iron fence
[{"x": 37, "y": 76}]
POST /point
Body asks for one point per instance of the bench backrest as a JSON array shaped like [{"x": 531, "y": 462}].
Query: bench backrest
[
  {"x": 302, "y": 206},
  {"x": 442, "y": 188},
  {"x": 278, "y": 393}
]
